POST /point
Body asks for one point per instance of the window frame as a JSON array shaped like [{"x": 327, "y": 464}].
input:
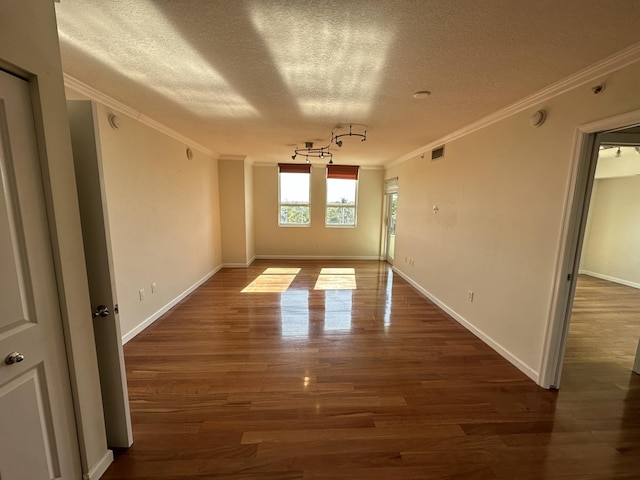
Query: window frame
[
  {"x": 296, "y": 169},
  {"x": 342, "y": 172}
]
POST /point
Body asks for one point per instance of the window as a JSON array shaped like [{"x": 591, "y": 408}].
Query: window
[
  {"x": 342, "y": 192},
  {"x": 294, "y": 194}
]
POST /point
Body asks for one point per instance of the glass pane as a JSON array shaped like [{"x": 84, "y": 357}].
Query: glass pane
[
  {"x": 294, "y": 188},
  {"x": 392, "y": 216},
  {"x": 341, "y": 191},
  {"x": 341, "y": 216},
  {"x": 291, "y": 215}
]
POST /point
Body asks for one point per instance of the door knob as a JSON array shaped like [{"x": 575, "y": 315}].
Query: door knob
[
  {"x": 14, "y": 357},
  {"x": 101, "y": 311}
]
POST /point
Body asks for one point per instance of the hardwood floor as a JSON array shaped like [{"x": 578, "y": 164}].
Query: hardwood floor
[{"x": 286, "y": 382}]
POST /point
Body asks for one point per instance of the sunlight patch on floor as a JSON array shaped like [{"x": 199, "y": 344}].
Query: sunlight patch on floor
[
  {"x": 272, "y": 280},
  {"x": 338, "y": 271},
  {"x": 279, "y": 279},
  {"x": 336, "y": 279},
  {"x": 281, "y": 271},
  {"x": 336, "y": 282}
]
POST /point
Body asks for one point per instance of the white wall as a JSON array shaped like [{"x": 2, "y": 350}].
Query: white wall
[
  {"x": 317, "y": 240},
  {"x": 611, "y": 248},
  {"x": 29, "y": 47},
  {"x": 164, "y": 216},
  {"x": 501, "y": 193}
]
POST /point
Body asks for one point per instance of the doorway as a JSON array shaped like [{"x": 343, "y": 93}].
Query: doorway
[
  {"x": 391, "y": 208},
  {"x": 600, "y": 252}
]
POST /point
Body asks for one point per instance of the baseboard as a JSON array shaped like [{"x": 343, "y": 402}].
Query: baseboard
[
  {"x": 510, "y": 357},
  {"x": 239, "y": 264},
  {"x": 610, "y": 279},
  {"x": 317, "y": 257},
  {"x": 135, "y": 331},
  {"x": 99, "y": 468}
]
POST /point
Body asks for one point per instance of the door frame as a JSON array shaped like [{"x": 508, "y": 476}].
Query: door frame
[
  {"x": 389, "y": 199},
  {"x": 580, "y": 183},
  {"x": 390, "y": 188}
]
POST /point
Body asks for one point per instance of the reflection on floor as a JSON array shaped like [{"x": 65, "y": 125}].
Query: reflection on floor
[{"x": 372, "y": 383}]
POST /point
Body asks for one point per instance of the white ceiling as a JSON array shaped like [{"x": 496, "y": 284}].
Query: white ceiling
[
  {"x": 257, "y": 77},
  {"x": 616, "y": 162}
]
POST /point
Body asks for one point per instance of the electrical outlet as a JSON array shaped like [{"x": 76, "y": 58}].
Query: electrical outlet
[
  {"x": 154, "y": 287},
  {"x": 470, "y": 295},
  {"x": 141, "y": 292}
]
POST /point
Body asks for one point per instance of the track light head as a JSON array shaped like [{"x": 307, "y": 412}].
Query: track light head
[
  {"x": 293, "y": 157},
  {"x": 339, "y": 143}
]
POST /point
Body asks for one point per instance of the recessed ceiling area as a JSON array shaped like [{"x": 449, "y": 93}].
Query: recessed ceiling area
[{"x": 255, "y": 78}]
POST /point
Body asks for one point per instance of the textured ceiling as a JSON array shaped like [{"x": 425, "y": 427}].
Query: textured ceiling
[{"x": 258, "y": 77}]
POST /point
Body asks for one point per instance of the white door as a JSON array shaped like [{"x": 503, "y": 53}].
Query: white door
[
  {"x": 97, "y": 249},
  {"x": 37, "y": 427}
]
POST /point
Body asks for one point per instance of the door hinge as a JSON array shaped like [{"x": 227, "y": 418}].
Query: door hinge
[
  {"x": 569, "y": 276},
  {"x": 115, "y": 308}
]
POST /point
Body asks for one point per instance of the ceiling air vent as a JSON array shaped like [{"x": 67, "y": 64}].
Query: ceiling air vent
[{"x": 437, "y": 153}]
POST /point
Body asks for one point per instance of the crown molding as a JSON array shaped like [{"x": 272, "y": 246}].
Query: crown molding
[
  {"x": 98, "y": 96},
  {"x": 238, "y": 158},
  {"x": 589, "y": 74}
]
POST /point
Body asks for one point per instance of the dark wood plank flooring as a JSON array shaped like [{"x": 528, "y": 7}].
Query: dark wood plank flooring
[{"x": 372, "y": 383}]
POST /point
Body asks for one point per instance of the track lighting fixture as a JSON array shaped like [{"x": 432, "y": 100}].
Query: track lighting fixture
[
  {"x": 335, "y": 138},
  {"x": 309, "y": 151}
]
